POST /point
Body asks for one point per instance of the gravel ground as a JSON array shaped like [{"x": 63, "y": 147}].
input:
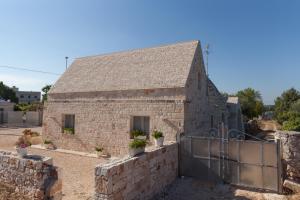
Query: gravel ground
[
  {"x": 77, "y": 171},
  {"x": 192, "y": 189}
]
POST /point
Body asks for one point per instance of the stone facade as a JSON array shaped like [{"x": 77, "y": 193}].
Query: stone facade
[
  {"x": 34, "y": 177},
  {"x": 107, "y": 123},
  {"x": 290, "y": 154},
  {"x": 139, "y": 177}
]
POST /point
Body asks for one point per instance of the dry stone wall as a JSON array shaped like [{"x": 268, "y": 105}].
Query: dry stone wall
[
  {"x": 290, "y": 143},
  {"x": 139, "y": 177},
  {"x": 33, "y": 177}
]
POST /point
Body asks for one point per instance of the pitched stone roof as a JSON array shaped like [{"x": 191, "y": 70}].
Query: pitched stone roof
[{"x": 158, "y": 67}]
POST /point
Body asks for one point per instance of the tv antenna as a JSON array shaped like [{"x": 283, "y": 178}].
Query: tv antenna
[
  {"x": 66, "y": 62},
  {"x": 206, "y": 52}
]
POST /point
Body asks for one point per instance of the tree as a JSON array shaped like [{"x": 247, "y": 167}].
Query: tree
[
  {"x": 285, "y": 103},
  {"x": 251, "y": 102},
  {"x": 7, "y": 93},
  {"x": 45, "y": 91}
]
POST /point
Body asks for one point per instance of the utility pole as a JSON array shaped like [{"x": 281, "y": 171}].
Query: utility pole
[
  {"x": 206, "y": 52},
  {"x": 66, "y": 62}
]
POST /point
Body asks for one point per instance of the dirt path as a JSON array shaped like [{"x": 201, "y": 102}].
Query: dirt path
[
  {"x": 192, "y": 189},
  {"x": 77, "y": 171}
]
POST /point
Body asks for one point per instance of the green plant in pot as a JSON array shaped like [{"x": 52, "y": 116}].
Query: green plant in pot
[
  {"x": 99, "y": 151},
  {"x": 158, "y": 138},
  {"x": 138, "y": 134},
  {"x": 137, "y": 146},
  {"x": 48, "y": 144},
  {"x": 21, "y": 146},
  {"x": 70, "y": 131}
]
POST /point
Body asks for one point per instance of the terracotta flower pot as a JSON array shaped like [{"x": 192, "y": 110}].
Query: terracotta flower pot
[{"x": 159, "y": 142}]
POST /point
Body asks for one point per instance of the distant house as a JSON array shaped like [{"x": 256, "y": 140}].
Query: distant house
[
  {"x": 103, "y": 98},
  {"x": 27, "y": 96}
]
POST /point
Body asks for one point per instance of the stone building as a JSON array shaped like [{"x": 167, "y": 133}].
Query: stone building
[{"x": 103, "y": 98}]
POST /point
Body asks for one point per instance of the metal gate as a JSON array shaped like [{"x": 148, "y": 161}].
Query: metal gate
[{"x": 240, "y": 162}]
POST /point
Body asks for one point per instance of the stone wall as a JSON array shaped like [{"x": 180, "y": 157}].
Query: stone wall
[
  {"x": 290, "y": 141},
  {"x": 139, "y": 177},
  {"x": 34, "y": 177},
  {"x": 107, "y": 123},
  {"x": 290, "y": 154}
]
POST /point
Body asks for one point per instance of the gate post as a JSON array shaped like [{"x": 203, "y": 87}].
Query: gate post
[{"x": 279, "y": 165}]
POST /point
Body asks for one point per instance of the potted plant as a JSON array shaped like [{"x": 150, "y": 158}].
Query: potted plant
[
  {"x": 70, "y": 131},
  {"x": 99, "y": 151},
  {"x": 21, "y": 146},
  {"x": 48, "y": 144},
  {"x": 158, "y": 138},
  {"x": 137, "y": 146},
  {"x": 138, "y": 134}
]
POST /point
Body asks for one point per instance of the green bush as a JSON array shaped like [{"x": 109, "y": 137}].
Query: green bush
[
  {"x": 69, "y": 130},
  {"x": 293, "y": 124},
  {"x": 136, "y": 133},
  {"x": 99, "y": 149},
  {"x": 157, "y": 134},
  {"x": 137, "y": 143},
  {"x": 47, "y": 141}
]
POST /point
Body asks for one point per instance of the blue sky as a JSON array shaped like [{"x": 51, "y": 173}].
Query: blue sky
[{"x": 253, "y": 43}]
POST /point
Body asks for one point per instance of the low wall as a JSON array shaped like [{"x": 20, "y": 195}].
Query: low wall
[
  {"x": 33, "y": 177},
  {"x": 290, "y": 143},
  {"x": 139, "y": 177},
  {"x": 32, "y": 118}
]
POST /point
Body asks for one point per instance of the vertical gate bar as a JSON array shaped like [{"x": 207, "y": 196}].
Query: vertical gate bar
[
  {"x": 220, "y": 149},
  {"x": 262, "y": 164},
  {"x": 279, "y": 166},
  {"x": 238, "y": 161},
  {"x": 227, "y": 153},
  {"x": 191, "y": 147},
  {"x": 223, "y": 149},
  {"x": 209, "y": 153}
]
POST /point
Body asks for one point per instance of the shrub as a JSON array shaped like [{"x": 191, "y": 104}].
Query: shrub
[
  {"x": 137, "y": 143},
  {"x": 293, "y": 124},
  {"x": 23, "y": 142},
  {"x": 47, "y": 141},
  {"x": 28, "y": 132},
  {"x": 157, "y": 134},
  {"x": 69, "y": 130},
  {"x": 136, "y": 133},
  {"x": 99, "y": 149}
]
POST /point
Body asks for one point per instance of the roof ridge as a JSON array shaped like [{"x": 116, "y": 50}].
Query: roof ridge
[{"x": 137, "y": 49}]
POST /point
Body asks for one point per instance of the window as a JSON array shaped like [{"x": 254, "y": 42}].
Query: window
[
  {"x": 28, "y": 96},
  {"x": 69, "y": 121},
  {"x": 223, "y": 118},
  {"x": 211, "y": 121},
  {"x": 141, "y": 123},
  {"x": 22, "y": 96},
  {"x": 35, "y": 97}
]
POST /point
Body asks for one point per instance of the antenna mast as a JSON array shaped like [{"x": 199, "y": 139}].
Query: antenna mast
[
  {"x": 66, "y": 62},
  {"x": 206, "y": 51}
]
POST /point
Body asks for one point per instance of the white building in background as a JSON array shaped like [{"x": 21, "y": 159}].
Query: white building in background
[{"x": 27, "y": 96}]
